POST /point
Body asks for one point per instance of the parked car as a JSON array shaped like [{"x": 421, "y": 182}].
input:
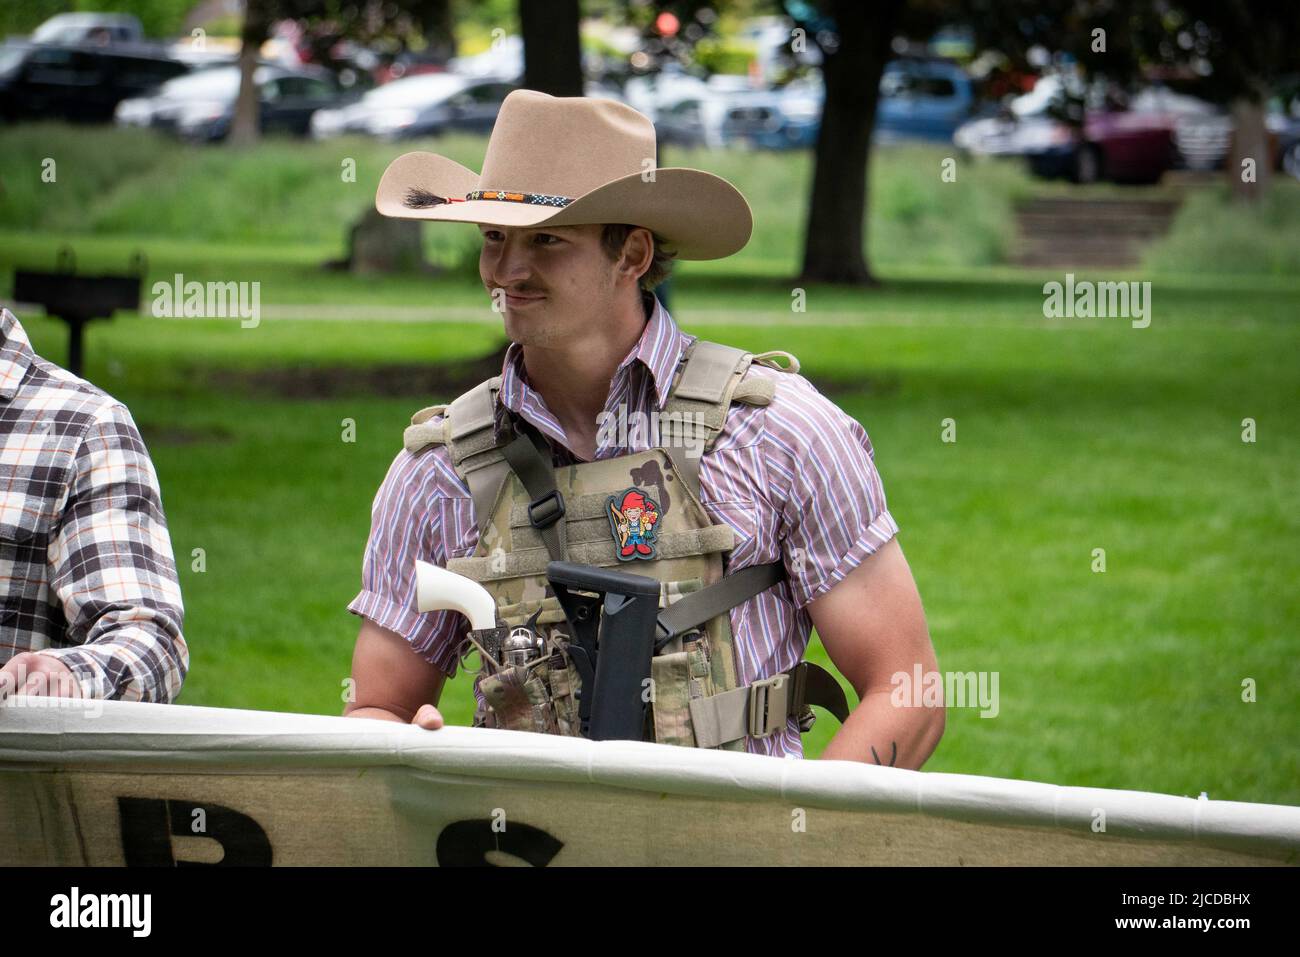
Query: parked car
[
  {"x": 663, "y": 97},
  {"x": 201, "y": 106},
  {"x": 654, "y": 94},
  {"x": 779, "y": 119},
  {"x": 78, "y": 83},
  {"x": 682, "y": 125},
  {"x": 926, "y": 99},
  {"x": 1284, "y": 129},
  {"x": 1283, "y": 122},
  {"x": 1121, "y": 145},
  {"x": 424, "y": 105},
  {"x": 89, "y": 28}
]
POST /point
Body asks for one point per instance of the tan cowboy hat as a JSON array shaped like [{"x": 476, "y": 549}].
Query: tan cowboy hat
[{"x": 570, "y": 161}]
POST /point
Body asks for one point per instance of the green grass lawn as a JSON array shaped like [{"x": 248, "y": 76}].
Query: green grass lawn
[{"x": 1072, "y": 435}]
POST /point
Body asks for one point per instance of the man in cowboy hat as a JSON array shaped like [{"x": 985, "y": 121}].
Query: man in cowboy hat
[{"x": 578, "y": 224}]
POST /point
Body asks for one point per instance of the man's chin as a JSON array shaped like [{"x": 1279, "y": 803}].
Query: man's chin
[{"x": 527, "y": 329}]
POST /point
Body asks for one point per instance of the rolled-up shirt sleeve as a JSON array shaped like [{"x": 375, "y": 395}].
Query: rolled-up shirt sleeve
[
  {"x": 420, "y": 508},
  {"x": 821, "y": 470},
  {"x": 112, "y": 569}
]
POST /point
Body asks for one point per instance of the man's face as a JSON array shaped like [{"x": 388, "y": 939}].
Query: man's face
[{"x": 557, "y": 281}]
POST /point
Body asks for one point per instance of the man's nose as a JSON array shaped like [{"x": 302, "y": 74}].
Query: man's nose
[{"x": 511, "y": 265}]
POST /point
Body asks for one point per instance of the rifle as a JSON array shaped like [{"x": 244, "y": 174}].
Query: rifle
[{"x": 613, "y": 642}]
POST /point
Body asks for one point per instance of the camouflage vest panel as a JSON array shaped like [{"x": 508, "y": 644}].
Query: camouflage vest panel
[{"x": 511, "y": 557}]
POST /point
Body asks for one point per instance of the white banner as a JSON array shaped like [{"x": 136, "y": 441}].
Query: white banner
[{"x": 129, "y": 783}]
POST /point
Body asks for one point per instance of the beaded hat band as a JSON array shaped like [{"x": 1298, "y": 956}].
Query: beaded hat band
[{"x": 417, "y": 198}]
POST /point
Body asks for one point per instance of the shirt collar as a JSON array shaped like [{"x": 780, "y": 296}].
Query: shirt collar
[
  {"x": 15, "y": 354},
  {"x": 659, "y": 350}
]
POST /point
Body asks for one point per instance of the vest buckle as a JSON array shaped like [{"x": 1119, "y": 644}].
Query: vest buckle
[
  {"x": 547, "y": 510},
  {"x": 769, "y": 704}
]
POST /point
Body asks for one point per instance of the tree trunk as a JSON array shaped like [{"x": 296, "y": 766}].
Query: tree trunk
[
  {"x": 835, "y": 240},
  {"x": 246, "y": 127},
  {"x": 379, "y": 244},
  {"x": 552, "y": 51},
  {"x": 1249, "y": 142},
  {"x": 437, "y": 27}
]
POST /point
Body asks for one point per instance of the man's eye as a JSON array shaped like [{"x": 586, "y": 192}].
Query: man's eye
[{"x": 554, "y": 239}]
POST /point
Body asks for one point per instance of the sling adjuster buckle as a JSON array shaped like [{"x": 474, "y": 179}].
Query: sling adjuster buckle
[
  {"x": 769, "y": 704},
  {"x": 547, "y": 510}
]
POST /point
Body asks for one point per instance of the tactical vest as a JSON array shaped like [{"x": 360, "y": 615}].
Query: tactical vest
[{"x": 529, "y": 512}]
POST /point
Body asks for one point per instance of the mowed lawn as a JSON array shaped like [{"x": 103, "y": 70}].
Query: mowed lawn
[{"x": 1071, "y": 435}]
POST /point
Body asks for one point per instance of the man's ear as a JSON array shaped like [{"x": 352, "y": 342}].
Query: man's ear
[{"x": 638, "y": 253}]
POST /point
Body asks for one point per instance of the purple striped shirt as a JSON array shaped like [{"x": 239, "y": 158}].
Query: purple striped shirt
[{"x": 795, "y": 479}]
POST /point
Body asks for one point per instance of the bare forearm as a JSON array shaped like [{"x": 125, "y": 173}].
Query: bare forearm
[{"x": 879, "y": 732}]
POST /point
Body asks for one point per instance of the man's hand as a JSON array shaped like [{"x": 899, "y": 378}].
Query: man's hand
[
  {"x": 391, "y": 682},
  {"x": 38, "y": 676},
  {"x": 428, "y": 717}
]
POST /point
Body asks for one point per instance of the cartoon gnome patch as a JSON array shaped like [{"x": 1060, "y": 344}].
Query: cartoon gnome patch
[{"x": 632, "y": 518}]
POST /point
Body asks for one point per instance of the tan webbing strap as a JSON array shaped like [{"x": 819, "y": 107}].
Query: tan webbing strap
[
  {"x": 475, "y": 410},
  {"x": 754, "y": 391},
  {"x": 697, "y": 404},
  {"x": 769, "y": 359},
  {"x": 422, "y": 431},
  {"x": 485, "y": 482},
  {"x": 762, "y": 709},
  {"x": 687, "y": 464},
  {"x": 469, "y": 427},
  {"x": 472, "y": 425},
  {"x": 706, "y": 377}
]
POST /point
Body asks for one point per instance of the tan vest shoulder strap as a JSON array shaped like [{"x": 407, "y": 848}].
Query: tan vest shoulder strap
[
  {"x": 466, "y": 428},
  {"x": 712, "y": 376},
  {"x": 466, "y": 416},
  {"x": 423, "y": 431}
]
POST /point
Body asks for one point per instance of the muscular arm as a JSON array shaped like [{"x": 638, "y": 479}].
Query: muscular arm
[
  {"x": 392, "y": 682},
  {"x": 873, "y": 626}
]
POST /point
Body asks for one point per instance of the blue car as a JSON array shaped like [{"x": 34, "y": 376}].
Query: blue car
[{"x": 923, "y": 100}]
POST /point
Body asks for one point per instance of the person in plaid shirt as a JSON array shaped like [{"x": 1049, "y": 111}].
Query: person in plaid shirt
[{"x": 90, "y": 604}]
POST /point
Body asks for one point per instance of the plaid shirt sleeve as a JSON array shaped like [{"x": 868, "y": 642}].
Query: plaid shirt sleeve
[{"x": 111, "y": 568}]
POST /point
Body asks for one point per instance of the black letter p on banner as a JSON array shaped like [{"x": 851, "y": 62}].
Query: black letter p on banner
[{"x": 148, "y": 825}]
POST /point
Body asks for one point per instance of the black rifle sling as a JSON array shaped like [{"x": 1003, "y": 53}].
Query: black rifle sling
[
  {"x": 694, "y": 609},
  {"x": 813, "y": 684}
]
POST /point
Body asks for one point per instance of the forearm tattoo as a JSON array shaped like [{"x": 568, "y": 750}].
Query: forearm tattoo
[{"x": 893, "y": 755}]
